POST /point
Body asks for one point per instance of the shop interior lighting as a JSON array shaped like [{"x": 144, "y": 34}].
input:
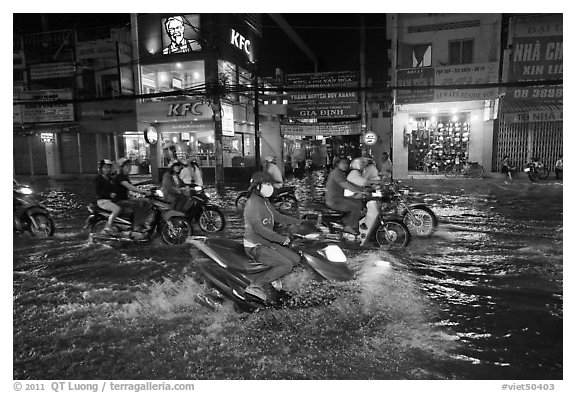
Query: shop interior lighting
[
  {"x": 454, "y": 118},
  {"x": 454, "y": 110},
  {"x": 433, "y": 119},
  {"x": 174, "y": 139},
  {"x": 434, "y": 110}
]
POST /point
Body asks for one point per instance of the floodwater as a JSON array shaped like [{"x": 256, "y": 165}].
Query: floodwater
[{"x": 480, "y": 299}]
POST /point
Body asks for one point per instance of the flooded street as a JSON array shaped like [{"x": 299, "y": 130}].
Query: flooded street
[{"x": 480, "y": 299}]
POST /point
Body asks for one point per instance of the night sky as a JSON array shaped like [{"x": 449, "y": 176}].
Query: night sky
[{"x": 334, "y": 38}]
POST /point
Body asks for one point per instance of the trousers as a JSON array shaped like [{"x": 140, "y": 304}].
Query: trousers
[
  {"x": 352, "y": 207},
  {"x": 281, "y": 259}
]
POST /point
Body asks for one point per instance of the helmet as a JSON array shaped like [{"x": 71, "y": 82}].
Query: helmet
[
  {"x": 268, "y": 158},
  {"x": 357, "y": 163},
  {"x": 105, "y": 161},
  {"x": 122, "y": 161},
  {"x": 259, "y": 178}
]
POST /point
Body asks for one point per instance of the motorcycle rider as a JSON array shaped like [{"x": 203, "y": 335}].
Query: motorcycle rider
[
  {"x": 191, "y": 174},
  {"x": 335, "y": 199},
  {"x": 172, "y": 187},
  {"x": 356, "y": 177},
  {"x": 260, "y": 241},
  {"x": 106, "y": 192},
  {"x": 123, "y": 185}
]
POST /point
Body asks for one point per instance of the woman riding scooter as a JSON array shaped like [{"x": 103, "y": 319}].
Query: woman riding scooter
[{"x": 260, "y": 241}]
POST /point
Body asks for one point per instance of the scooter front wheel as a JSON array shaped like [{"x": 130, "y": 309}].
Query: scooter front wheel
[
  {"x": 421, "y": 222},
  {"x": 41, "y": 225},
  {"x": 175, "y": 231},
  {"x": 393, "y": 234},
  {"x": 211, "y": 220}
]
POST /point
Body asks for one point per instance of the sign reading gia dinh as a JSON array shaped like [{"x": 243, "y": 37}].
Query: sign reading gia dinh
[{"x": 323, "y": 111}]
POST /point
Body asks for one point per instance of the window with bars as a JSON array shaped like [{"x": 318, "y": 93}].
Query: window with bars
[{"x": 461, "y": 52}]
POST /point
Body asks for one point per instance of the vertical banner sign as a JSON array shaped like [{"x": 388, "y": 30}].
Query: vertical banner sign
[
  {"x": 227, "y": 120},
  {"x": 537, "y": 54}
]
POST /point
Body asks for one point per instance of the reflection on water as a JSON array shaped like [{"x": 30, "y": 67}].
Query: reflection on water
[{"x": 481, "y": 299}]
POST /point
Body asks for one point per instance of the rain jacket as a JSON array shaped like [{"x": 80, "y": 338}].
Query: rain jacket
[{"x": 259, "y": 218}]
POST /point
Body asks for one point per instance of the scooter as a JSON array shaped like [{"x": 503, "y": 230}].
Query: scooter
[
  {"x": 209, "y": 217},
  {"x": 387, "y": 230},
  {"x": 29, "y": 215},
  {"x": 419, "y": 218},
  {"x": 535, "y": 169},
  {"x": 284, "y": 199},
  {"x": 171, "y": 225},
  {"x": 230, "y": 271}
]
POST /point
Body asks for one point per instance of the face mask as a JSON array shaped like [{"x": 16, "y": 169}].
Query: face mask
[{"x": 266, "y": 190}]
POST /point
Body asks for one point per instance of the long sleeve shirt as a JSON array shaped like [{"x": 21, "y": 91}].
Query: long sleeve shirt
[
  {"x": 104, "y": 187},
  {"x": 259, "y": 218}
]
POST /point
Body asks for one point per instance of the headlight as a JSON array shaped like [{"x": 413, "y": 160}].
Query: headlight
[
  {"x": 527, "y": 170},
  {"x": 197, "y": 188},
  {"x": 334, "y": 253},
  {"x": 377, "y": 194},
  {"x": 25, "y": 190},
  {"x": 159, "y": 193}
]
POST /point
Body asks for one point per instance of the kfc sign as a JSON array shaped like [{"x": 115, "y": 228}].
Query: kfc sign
[
  {"x": 240, "y": 42},
  {"x": 182, "y": 109}
]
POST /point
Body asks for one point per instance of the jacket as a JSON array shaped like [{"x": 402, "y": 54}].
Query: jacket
[
  {"x": 259, "y": 218},
  {"x": 170, "y": 187}
]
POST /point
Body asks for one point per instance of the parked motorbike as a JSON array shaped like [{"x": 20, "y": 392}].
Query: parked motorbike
[
  {"x": 536, "y": 170},
  {"x": 29, "y": 215},
  {"x": 170, "y": 225},
  {"x": 284, "y": 199},
  {"x": 230, "y": 271},
  {"x": 209, "y": 217},
  {"x": 419, "y": 218},
  {"x": 388, "y": 229}
]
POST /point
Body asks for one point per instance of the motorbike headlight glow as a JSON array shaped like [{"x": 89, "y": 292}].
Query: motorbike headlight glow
[
  {"x": 159, "y": 193},
  {"x": 377, "y": 194},
  {"x": 197, "y": 188},
  {"x": 334, "y": 253},
  {"x": 527, "y": 170},
  {"x": 25, "y": 190}
]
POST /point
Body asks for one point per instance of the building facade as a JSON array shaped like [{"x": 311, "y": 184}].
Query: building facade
[{"x": 446, "y": 122}]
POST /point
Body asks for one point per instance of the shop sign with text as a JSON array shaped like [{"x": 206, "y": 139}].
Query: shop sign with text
[
  {"x": 174, "y": 111},
  {"x": 533, "y": 116},
  {"x": 42, "y": 106},
  {"x": 415, "y": 77},
  {"x": 323, "y": 79},
  {"x": 466, "y": 74},
  {"x": 341, "y": 96},
  {"x": 536, "y": 58},
  {"x": 323, "y": 111},
  {"x": 325, "y": 129},
  {"x": 534, "y": 93},
  {"x": 227, "y": 119}
]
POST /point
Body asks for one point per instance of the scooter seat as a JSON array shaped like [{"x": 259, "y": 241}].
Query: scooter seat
[
  {"x": 97, "y": 209},
  {"x": 234, "y": 255}
]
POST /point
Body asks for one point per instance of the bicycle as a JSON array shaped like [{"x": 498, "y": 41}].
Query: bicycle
[{"x": 467, "y": 169}]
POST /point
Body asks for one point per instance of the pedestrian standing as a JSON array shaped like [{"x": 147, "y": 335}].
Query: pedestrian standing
[{"x": 559, "y": 168}]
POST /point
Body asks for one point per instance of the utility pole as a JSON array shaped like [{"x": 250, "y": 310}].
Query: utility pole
[
  {"x": 256, "y": 119},
  {"x": 363, "y": 73}
]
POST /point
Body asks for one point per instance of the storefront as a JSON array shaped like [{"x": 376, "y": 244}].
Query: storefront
[
  {"x": 433, "y": 128},
  {"x": 179, "y": 73}
]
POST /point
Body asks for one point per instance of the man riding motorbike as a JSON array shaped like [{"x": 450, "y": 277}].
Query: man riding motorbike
[
  {"x": 260, "y": 241},
  {"x": 335, "y": 199},
  {"x": 357, "y": 177},
  {"x": 140, "y": 206}
]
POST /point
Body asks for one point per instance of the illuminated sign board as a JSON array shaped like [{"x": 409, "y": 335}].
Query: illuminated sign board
[
  {"x": 240, "y": 42},
  {"x": 179, "y": 34}
]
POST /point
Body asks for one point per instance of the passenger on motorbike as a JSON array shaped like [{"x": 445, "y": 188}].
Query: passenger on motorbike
[
  {"x": 191, "y": 174},
  {"x": 261, "y": 242},
  {"x": 335, "y": 199},
  {"x": 106, "y": 192},
  {"x": 356, "y": 177},
  {"x": 172, "y": 187},
  {"x": 139, "y": 207}
]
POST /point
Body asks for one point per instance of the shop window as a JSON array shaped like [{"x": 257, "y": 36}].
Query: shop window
[
  {"x": 461, "y": 52},
  {"x": 415, "y": 56},
  {"x": 158, "y": 78},
  {"x": 437, "y": 141}
]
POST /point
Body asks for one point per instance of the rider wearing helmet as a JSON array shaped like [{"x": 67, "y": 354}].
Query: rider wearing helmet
[
  {"x": 356, "y": 170},
  {"x": 272, "y": 169},
  {"x": 260, "y": 241},
  {"x": 335, "y": 199}
]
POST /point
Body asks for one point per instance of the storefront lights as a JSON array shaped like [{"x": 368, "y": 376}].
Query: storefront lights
[
  {"x": 433, "y": 119},
  {"x": 454, "y": 118},
  {"x": 47, "y": 137}
]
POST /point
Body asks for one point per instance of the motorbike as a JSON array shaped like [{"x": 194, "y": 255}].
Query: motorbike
[
  {"x": 29, "y": 215},
  {"x": 419, "y": 218},
  {"x": 229, "y": 271},
  {"x": 536, "y": 170},
  {"x": 284, "y": 199},
  {"x": 209, "y": 217},
  {"x": 170, "y": 225},
  {"x": 388, "y": 229}
]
